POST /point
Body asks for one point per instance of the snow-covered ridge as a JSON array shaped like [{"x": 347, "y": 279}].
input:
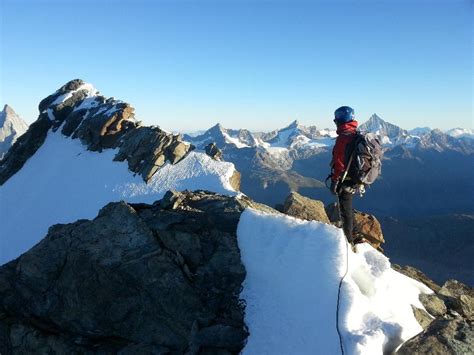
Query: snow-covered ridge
[
  {"x": 291, "y": 290},
  {"x": 91, "y": 153},
  {"x": 63, "y": 182},
  {"x": 78, "y": 111}
]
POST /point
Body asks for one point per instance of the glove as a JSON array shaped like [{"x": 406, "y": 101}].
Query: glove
[{"x": 334, "y": 187}]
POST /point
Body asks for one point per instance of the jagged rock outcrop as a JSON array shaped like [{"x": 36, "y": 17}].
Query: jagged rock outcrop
[
  {"x": 12, "y": 126},
  {"x": 213, "y": 151},
  {"x": 447, "y": 321},
  {"x": 365, "y": 225},
  {"x": 443, "y": 336},
  {"x": 305, "y": 208},
  {"x": 81, "y": 112},
  {"x": 138, "y": 278}
]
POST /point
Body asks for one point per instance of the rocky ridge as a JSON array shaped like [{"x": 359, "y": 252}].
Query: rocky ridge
[
  {"x": 165, "y": 278},
  {"x": 79, "y": 111},
  {"x": 447, "y": 321},
  {"x": 161, "y": 278}
]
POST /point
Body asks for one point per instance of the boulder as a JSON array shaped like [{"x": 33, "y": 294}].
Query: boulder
[
  {"x": 213, "y": 151},
  {"x": 305, "y": 208},
  {"x": 433, "y": 304},
  {"x": 443, "y": 336},
  {"x": 459, "y": 297},
  {"x": 161, "y": 278},
  {"x": 365, "y": 225},
  {"x": 422, "y": 317}
]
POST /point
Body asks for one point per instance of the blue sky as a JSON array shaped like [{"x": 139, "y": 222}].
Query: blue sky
[{"x": 186, "y": 65}]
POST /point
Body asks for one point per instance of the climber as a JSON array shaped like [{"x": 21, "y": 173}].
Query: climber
[{"x": 341, "y": 184}]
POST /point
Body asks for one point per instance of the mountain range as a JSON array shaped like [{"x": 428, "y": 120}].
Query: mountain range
[{"x": 425, "y": 174}]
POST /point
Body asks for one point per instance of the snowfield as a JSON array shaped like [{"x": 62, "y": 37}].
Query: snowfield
[
  {"x": 63, "y": 182},
  {"x": 293, "y": 272}
]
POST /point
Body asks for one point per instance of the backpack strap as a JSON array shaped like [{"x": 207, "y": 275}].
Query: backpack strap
[{"x": 348, "y": 167}]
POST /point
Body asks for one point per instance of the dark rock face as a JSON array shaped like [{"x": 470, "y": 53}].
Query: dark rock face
[
  {"x": 146, "y": 149},
  {"x": 137, "y": 279},
  {"x": 99, "y": 123},
  {"x": 305, "y": 208},
  {"x": 25, "y": 146},
  {"x": 213, "y": 151}
]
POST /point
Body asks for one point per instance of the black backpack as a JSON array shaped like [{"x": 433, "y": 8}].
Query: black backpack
[{"x": 366, "y": 158}]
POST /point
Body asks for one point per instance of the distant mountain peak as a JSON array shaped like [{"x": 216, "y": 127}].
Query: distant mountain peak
[
  {"x": 377, "y": 125},
  {"x": 12, "y": 126},
  {"x": 459, "y": 132},
  {"x": 218, "y": 127},
  {"x": 8, "y": 109}
]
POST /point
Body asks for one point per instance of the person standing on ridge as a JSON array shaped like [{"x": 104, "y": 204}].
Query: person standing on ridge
[{"x": 341, "y": 184}]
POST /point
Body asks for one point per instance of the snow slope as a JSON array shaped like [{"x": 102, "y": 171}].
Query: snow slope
[
  {"x": 63, "y": 182},
  {"x": 293, "y": 272}
]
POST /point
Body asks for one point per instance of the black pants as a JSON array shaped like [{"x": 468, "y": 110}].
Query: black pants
[{"x": 347, "y": 214}]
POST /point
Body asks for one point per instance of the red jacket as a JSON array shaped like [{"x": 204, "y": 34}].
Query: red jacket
[{"x": 346, "y": 133}]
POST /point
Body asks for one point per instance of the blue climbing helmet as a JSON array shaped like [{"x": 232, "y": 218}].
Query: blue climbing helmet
[{"x": 344, "y": 114}]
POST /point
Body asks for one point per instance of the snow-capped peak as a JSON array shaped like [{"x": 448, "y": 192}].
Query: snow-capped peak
[
  {"x": 8, "y": 115},
  {"x": 293, "y": 125},
  {"x": 461, "y": 133},
  {"x": 377, "y": 125}
]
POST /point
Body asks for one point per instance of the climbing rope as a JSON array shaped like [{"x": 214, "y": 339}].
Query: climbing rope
[{"x": 340, "y": 283}]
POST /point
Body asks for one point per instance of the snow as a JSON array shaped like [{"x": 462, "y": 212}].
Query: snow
[
  {"x": 89, "y": 88},
  {"x": 461, "y": 133},
  {"x": 234, "y": 141},
  {"x": 87, "y": 103},
  {"x": 291, "y": 293},
  {"x": 283, "y": 138},
  {"x": 293, "y": 272},
  {"x": 63, "y": 182}
]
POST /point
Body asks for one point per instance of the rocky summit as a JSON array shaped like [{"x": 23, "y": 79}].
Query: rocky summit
[
  {"x": 161, "y": 278},
  {"x": 79, "y": 111}
]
